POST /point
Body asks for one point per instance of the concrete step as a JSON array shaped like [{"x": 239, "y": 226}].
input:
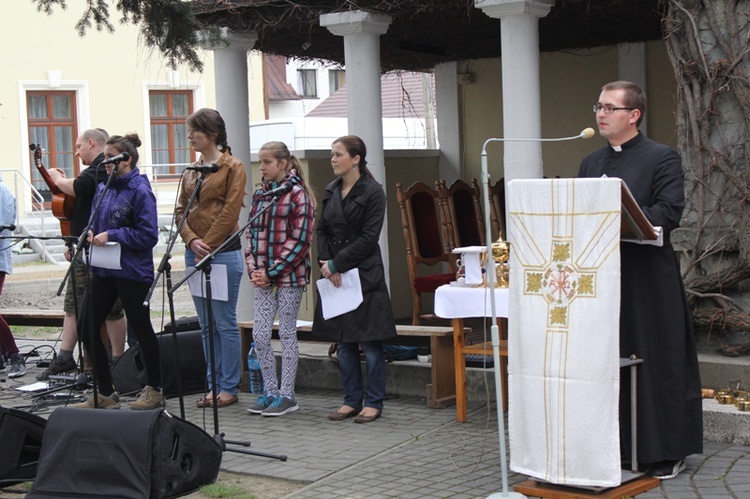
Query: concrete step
[
  {"x": 25, "y": 257},
  {"x": 55, "y": 251}
]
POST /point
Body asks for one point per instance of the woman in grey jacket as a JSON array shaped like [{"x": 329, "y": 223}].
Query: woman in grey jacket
[{"x": 352, "y": 214}]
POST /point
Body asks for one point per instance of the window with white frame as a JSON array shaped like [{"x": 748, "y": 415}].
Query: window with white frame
[
  {"x": 168, "y": 111},
  {"x": 52, "y": 127},
  {"x": 307, "y": 83}
]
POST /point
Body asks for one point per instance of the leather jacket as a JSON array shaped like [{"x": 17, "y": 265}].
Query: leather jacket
[{"x": 215, "y": 212}]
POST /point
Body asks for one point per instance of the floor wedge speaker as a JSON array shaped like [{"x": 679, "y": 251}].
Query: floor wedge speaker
[
  {"x": 90, "y": 453},
  {"x": 129, "y": 374},
  {"x": 21, "y": 440}
]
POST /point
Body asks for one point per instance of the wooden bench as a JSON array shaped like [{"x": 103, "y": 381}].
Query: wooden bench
[
  {"x": 442, "y": 389},
  {"x": 32, "y": 317}
]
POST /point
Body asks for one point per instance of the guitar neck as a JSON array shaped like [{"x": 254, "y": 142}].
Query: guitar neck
[{"x": 48, "y": 180}]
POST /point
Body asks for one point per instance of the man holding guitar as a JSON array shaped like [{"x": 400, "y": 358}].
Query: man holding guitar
[{"x": 90, "y": 149}]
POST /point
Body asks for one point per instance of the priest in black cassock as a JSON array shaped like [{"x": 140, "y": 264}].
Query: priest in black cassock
[{"x": 655, "y": 323}]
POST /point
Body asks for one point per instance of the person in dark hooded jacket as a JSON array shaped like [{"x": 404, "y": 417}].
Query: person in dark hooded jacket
[
  {"x": 352, "y": 214},
  {"x": 125, "y": 213}
]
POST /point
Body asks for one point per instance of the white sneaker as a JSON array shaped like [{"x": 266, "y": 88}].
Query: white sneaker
[
  {"x": 668, "y": 469},
  {"x": 17, "y": 366}
]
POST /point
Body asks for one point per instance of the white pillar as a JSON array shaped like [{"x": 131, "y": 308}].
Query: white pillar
[
  {"x": 448, "y": 122},
  {"x": 230, "y": 68},
  {"x": 361, "y": 31},
  {"x": 519, "y": 34}
]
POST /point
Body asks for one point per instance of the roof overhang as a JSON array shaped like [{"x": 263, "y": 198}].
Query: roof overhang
[{"x": 426, "y": 33}]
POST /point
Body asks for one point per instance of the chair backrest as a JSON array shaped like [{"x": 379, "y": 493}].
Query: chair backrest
[
  {"x": 462, "y": 209},
  {"x": 497, "y": 207},
  {"x": 424, "y": 228}
]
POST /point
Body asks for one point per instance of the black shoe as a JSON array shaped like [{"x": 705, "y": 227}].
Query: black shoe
[
  {"x": 667, "y": 469},
  {"x": 57, "y": 366}
]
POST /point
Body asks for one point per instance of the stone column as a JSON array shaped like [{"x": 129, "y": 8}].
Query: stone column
[
  {"x": 632, "y": 67},
  {"x": 361, "y": 31},
  {"x": 447, "y": 90},
  {"x": 519, "y": 30},
  {"x": 230, "y": 68}
]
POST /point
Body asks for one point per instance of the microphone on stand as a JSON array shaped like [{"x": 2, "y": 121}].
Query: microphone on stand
[
  {"x": 116, "y": 159},
  {"x": 204, "y": 169},
  {"x": 586, "y": 133},
  {"x": 282, "y": 189}
]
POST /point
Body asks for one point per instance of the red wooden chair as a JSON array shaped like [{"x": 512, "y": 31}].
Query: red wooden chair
[
  {"x": 462, "y": 210},
  {"x": 426, "y": 242}
]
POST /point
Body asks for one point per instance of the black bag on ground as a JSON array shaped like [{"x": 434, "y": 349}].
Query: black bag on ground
[{"x": 400, "y": 352}]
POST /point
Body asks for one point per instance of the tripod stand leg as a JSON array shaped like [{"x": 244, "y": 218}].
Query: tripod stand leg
[
  {"x": 219, "y": 439},
  {"x": 176, "y": 358}
]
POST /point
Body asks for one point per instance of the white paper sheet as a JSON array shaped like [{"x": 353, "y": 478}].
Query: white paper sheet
[
  {"x": 107, "y": 256},
  {"x": 219, "y": 286},
  {"x": 338, "y": 301},
  {"x": 33, "y": 387}
]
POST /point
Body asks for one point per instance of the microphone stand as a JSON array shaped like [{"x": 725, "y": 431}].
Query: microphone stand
[
  {"x": 166, "y": 267},
  {"x": 80, "y": 382},
  {"x": 66, "y": 239},
  {"x": 84, "y": 234},
  {"x": 490, "y": 272},
  {"x": 586, "y": 133},
  {"x": 205, "y": 265},
  {"x": 69, "y": 241},
  {"x": 79, "y": 249}
]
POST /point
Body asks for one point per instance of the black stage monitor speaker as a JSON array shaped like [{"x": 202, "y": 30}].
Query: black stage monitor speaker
[
  {"x": 90, "y": 453},
  {"x": 21, "y": 441},
  {"x": 129, "y": 374}
]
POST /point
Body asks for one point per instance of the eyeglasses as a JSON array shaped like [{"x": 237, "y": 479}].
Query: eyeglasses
[{"x": 610, "y": 109}]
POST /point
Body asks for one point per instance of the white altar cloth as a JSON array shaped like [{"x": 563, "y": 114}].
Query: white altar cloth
[
  {"x": 460, "y": 302},
  {"x": 563, "y": 367}
]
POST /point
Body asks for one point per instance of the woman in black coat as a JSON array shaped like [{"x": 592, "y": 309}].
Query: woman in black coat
[{"x": 348, "y": 232}]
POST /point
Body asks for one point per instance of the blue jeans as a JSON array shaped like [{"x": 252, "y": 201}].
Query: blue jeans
[
  {"x": 351, "y": 374},
  {"x": 226, "y": 331}
]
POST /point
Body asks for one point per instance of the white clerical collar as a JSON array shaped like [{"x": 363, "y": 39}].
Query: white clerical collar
[{"x": 616, "y": 148}]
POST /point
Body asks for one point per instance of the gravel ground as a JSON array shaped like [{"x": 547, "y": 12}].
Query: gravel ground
[{"x": 46, "y": 279}]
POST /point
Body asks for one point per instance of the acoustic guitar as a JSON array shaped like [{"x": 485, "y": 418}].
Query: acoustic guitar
[{"x": 62, "y": 204}]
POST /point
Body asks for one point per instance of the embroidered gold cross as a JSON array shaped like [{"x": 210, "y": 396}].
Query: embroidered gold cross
[{"x": 560, "y": 283}]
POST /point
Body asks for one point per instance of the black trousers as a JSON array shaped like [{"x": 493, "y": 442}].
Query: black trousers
[{"x": 99, "y": 298}]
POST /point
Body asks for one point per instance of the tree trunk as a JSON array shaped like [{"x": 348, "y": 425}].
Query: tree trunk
[{"x": 707, "y": 42}]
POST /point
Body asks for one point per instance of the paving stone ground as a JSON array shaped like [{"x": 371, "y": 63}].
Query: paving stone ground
[{"x": 411, "y": 451}]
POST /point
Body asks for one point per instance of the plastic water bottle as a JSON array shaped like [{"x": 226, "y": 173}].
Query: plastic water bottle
[{"x": 255, "y": 379}]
